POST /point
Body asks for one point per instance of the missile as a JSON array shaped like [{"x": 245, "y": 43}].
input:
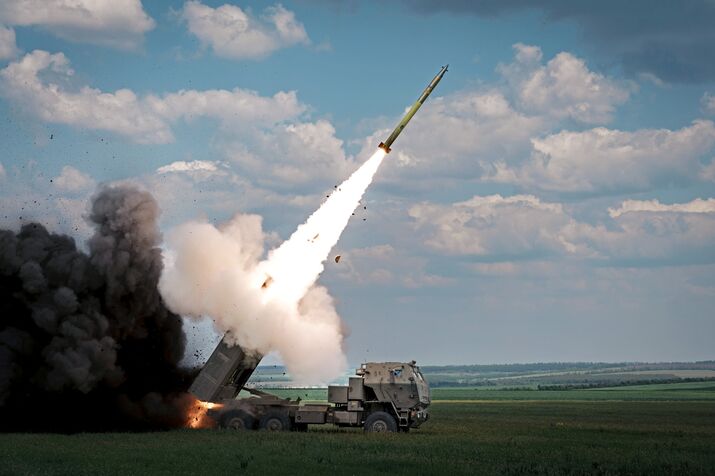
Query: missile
[{"x": 413, "y": 110}]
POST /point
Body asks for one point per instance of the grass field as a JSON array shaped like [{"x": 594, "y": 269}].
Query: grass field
[
  {"x": 656, "y": 392},
  {"x": 504, "y": 435}
]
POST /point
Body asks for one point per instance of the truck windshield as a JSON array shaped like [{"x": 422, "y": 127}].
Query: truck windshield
[
  {"x": 420, "y": 378},
  {"x": 422, "y": 386}
]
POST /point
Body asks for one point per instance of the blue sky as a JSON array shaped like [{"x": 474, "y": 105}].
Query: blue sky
[{"x": 553, "y": 200}]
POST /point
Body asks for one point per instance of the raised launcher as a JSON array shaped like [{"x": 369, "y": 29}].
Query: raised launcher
[{"x": 224, "y": 374}]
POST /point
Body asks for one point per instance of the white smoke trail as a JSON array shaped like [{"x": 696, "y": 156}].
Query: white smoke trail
[
  {"x": 296, "y": 264},
  {"x": 271, "y": 305}
]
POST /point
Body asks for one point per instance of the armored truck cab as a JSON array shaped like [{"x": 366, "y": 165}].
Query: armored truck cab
[{"x": 393, "y": 389}]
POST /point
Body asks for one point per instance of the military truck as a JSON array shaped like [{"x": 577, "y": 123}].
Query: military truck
[{"x": 382, "y": 397}]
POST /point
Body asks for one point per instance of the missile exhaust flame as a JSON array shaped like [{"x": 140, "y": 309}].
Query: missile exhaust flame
[
  {"x": 294, "y": 266},
  {"x": 197, "y": 415}
]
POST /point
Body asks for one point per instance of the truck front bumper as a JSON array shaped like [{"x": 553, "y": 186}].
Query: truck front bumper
[{"x": 418, "y": 417}]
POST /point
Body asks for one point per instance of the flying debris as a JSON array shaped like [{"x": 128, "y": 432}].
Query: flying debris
[
  {"x": 337, "y": 259},
  {"x": 413, "y": 110},
  {"x": 267, "y": 282}
]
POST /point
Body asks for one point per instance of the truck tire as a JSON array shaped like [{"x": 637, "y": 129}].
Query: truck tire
[
  {"x": 274, "y": 420},
  {"x": 380, "y": 422},
  {"x": 237, "y": 420}
]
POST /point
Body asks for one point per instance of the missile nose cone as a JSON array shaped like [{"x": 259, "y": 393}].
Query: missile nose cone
[{"x": 440, "y": 75}]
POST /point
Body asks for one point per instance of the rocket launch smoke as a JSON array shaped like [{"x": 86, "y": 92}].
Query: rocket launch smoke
[
  {"x": 86, "y": 342},
  {"x": 274, "y": 304}
]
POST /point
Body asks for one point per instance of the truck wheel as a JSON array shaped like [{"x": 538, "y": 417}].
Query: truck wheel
[
  {"x": 380, "y": 422},
  {"x": 274, "y": 420},
  {"x": 237, "y": 420}
]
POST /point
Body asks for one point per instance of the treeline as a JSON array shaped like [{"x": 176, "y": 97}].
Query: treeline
[
  {"x": 566, "y": 366},
  {"x": 452, "y": 383},
  {"x": 623, "y": 383}
]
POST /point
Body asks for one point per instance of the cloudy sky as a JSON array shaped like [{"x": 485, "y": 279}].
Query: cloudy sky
[{"x": 553, "y": 200}]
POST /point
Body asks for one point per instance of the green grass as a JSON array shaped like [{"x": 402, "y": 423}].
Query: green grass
[
  {"x": 637, "y": 429},
  {"x": 494, "y": 437},
  {"x": 665, "y": 392},
  {"x": 699, "y": 391}
]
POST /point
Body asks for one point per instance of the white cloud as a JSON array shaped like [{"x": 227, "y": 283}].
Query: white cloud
[
  {"x": 2, "y": 171},
  {"x": 652, "y": 78},
  {"x": 496, "y": 229},
  {"x": 707, "y": 172},
  {"x": 237, "y": 34},
  {"x": 525, "y": 55},
  {"x": 8, "y": 47},
  {"x": 655, "y": 234},
  {"x": 121, "y": 111},
  {"x": 564, "y": 87},
  {"x": 260, "y": 135},
  {"x": 142, "y": 119},
  {"x": 604, "y": 160},
  {"x": 493, "y": 226},
  {"x": 115, "y": 23},
  {"x": 290, "y": 154},
  {"x": 696, "y": 206},
  {"x": 193, "y": 166},
  {"x": 232, "y": 107},
  {"x": 72, "y": 180},
  {"x": 708, "y": 103},
  {"x": 263, "y": 137}
]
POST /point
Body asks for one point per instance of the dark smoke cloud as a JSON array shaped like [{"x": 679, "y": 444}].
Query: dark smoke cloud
[
  {"x": 86, "y": 342},
  {"x": 671, "y": 40}
]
